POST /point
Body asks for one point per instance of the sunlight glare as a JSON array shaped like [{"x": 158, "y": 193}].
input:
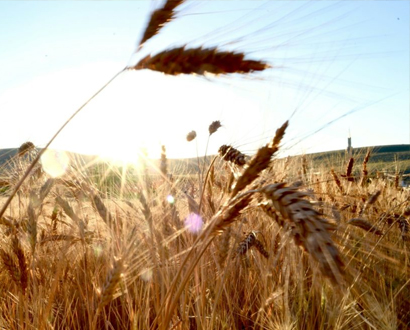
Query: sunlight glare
[{"x": 145, "y": 110}]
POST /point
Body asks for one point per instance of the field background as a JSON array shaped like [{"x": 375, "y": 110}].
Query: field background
[
  {"x": 104, "y": 246},
  {"x": 389, "y": 159}
]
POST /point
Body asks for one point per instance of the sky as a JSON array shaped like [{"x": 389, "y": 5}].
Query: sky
[{"x": 337, "y": 68}]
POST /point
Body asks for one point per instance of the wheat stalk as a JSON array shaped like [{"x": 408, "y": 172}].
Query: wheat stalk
[
  {"x": 55, "y": 238},
  {"x": 229, "y": 212},
  {"x": 36, "y": 160}
]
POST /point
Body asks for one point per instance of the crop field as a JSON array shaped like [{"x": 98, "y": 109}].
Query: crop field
[{"x": 266, "y": 243}]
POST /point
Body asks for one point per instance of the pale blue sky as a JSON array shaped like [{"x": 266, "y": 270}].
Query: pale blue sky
[{"x": 328, "y": 58}]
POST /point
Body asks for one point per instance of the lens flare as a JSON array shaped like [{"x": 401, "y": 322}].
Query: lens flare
[
  {"x": 55, "y": 162},
  {"x": 146, "y": 274},
  {"x": 170, "y": 199},
  {"x": 194, "y": 223}
]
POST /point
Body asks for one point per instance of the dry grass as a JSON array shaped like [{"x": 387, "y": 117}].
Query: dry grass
[
  {"x": 101, "y": 262},
  {"x": 74, "y": 269}
]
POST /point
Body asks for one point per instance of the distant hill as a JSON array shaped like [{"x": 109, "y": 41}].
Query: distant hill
[
  {"x": 384, "y": 157},
  {"x": 385, "y": 152},
  {"x": 8, "y": 154}
]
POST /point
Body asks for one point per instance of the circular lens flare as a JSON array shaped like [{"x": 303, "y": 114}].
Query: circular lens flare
[
  {"x": 146, "y": 274},
  {"x": 194, "y": 223},
  {"x": 55, "y": 162},
  {"x": 170, "y": 199}
]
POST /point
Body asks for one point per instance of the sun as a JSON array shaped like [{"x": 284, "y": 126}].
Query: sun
[
  {"x": 142, "y": 111},
  {"x": 136, "y": 114}
]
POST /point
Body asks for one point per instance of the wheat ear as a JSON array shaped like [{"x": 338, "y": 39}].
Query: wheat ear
[
  {"x": 259, "y": 161},
  {"x": 404, "y": 226},
  {"x": 249, "y": 241},
  {"x": 223, "y": 246},
  {"x": 109, "y": 288},
  {"x": 22, "y": 262},
  {"x": 215, "y": 125},
  {"x": 221, "y": 220},
  {"x": 191, "y": 136},
  {"x": 366, "y": 225},
  {"x": 25, "y": 148},
  {"x": 230, "y": 154},
  {"x": 159, "y": 18},
  {"x": 371, "y": 200},
  {"x": 308, "y": 228},
  {"x": 200, "y": 60},
  {"x": 163, "y": 166},
  {"x": 364, "y": 170},
  {"x": 349, "y": 169},
  {"x": 10, "y": 265},
  {"x": 336, "y": 180}
]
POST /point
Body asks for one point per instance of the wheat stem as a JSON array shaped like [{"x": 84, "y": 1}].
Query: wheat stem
[
  {"x": 36, "y": 160},
  {"x": 204, "y": 185}
]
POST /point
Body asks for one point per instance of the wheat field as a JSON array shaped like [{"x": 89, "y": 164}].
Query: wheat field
[{"x": 247, "y": 241}]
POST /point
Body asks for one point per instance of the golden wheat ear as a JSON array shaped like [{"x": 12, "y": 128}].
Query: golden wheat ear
[
  {"x": 215, "y": 125},
  {"x": 191, "y": 136},
  {"x": 25, "y": 148},
  {"x": 349, "y": 168},
  {"x": 163, "y": 166},
  {"x": 230, "y": 154},
  {"x": 309, "y": 229},
  {"x": 365, "y": 171},
  {"x": 200, "y": 60},
  {"x": 159, "y": 18},
  {"x": 365, "y": 225},
  {"x": 259, "y": 161}
]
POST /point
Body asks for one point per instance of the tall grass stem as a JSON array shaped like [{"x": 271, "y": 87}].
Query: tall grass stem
[{"x": 35, "y": 161}]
